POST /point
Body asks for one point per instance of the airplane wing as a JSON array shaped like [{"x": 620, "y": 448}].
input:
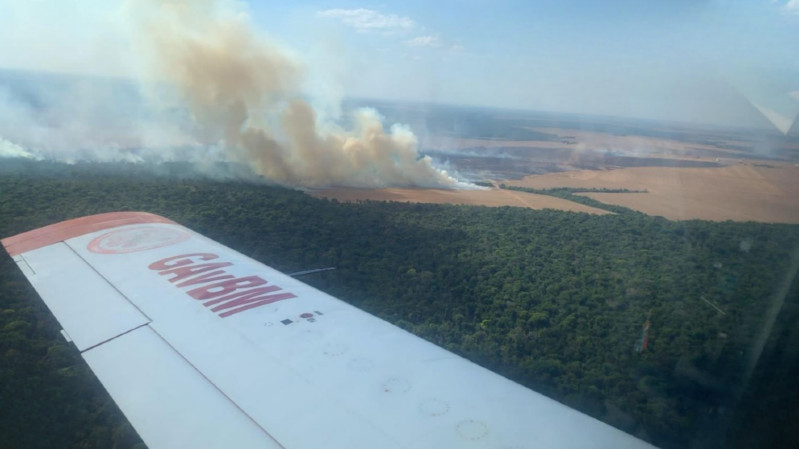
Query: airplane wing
[{"x": 201, "y": 346}]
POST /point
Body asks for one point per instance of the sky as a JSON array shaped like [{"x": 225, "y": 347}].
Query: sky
[{"x": 726, "y": 62}]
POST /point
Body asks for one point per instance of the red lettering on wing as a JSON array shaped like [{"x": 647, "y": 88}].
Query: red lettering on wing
[
  {"x": 247, "y": 294},
  {"x": 249, "y": 303},
  {"x": 221, "y": 291},
  {"x": 225, "y": 287},
  {"x": 181, "y": 273},
  {"x": 179, "y": 261},
  {"x": 213, "y": 276}
]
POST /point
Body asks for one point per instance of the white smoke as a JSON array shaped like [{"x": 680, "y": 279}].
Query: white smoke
[
  {"x": 244, "y": 92},
  {"x": 210, "y": 88},
  {"x": 72, "y": 118},
  {"x": 10, "y": 149}
]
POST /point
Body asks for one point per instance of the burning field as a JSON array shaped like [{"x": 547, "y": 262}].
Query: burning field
[
  {"x": 679, "y": 173},
  {"x": 741, "y": 192}
]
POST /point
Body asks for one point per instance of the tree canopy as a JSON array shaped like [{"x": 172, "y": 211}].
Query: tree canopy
[{"x": 553, "y": 300}]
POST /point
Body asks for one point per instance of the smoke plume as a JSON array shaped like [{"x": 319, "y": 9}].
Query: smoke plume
[{"x": 243, "y": 93}]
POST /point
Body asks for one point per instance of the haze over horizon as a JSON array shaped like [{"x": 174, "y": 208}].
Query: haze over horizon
[
  {"x": 716, "y": 62},
  {"x": 263, "y": 83}
]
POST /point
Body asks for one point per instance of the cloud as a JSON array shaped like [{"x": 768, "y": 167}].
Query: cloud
[
  {"x": 424, "y": 41},
  {"x": 369, "y": 20},
  {"x": 366, "y": 20},
  {"x": 434, "y": 41},
  {"x": 792, "y": 7}
]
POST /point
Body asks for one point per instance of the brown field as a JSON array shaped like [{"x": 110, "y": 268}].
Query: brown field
[
  {"x": 632, "y": 144},
  {"x": 581, "y": 140},
  {"x": 740, "y": 192},
  {"x": 492, "y": 197}
]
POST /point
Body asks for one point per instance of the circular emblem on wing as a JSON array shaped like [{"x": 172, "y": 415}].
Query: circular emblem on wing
[
  {"x": 140, "y": 238},
  {"x": 472, "y": 430}
]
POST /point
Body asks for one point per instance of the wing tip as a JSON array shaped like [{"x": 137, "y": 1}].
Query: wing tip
[{"x": 64, "y": 230}]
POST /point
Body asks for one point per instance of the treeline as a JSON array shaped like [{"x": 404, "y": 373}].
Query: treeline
[
  {"x": 570, "y": 193},
  {"x": 553, "y": 300}
]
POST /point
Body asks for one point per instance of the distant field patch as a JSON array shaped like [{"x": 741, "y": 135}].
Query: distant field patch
[
  {"x": 740, "y": 192},
  {"x": 491, "y": 197}
]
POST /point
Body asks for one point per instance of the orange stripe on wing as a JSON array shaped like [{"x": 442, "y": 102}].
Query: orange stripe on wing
[{"x": 65, "y": 230}]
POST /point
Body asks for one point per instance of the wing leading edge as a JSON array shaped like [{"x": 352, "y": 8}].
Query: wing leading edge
[{"x": 201, "y": 346}]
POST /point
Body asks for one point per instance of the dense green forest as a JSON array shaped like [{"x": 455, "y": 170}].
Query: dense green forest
[{"x": 554, "y": 300}]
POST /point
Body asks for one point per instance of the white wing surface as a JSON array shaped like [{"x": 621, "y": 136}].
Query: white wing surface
[{"x": 203, "y": 347}]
